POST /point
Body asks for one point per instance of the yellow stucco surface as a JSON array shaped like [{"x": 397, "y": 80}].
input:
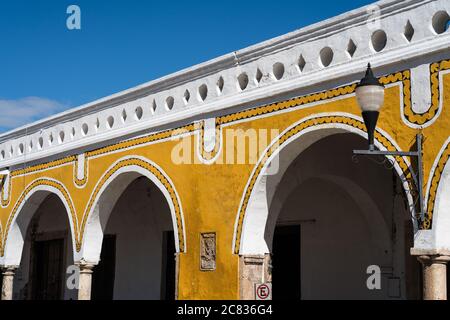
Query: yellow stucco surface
[{"x": 210, "y": 194}]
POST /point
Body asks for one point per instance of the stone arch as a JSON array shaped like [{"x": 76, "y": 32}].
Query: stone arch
[
  {"x": 106, "y": 193},
  {"x": 250, "y": 225},
  {"x": 23, "y": 211}
]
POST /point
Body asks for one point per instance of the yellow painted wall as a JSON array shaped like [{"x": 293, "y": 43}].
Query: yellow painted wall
[{"x": 210, "y": 194}]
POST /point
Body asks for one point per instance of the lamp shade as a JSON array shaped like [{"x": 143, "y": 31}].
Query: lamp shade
[{"x": 370, "y": 92}]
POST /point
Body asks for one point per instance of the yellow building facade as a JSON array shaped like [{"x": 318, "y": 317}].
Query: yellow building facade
[{"x": 210, "y": 162}]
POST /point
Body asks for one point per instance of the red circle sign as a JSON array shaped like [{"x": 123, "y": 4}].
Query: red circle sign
[{"x": 263, "y": 292}]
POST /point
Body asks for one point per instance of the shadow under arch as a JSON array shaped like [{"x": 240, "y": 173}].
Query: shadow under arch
[
  {"x": 106, "y": 194},
  {"x": 23, "y": 212},
  {"x": 251, "y": 219},
  {"x": 378, "y": 227}
]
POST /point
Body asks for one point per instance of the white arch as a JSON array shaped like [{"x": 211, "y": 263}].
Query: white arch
[
  {"x": 441, "y": 213},
  {"x": 15, "y": 237},
  {"x": 106, "y": 199},
  {"x": 256, "y": 214}
]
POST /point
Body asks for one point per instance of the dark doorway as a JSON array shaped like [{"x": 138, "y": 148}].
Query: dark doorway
[
  {"x": 48, "y": 258},
  {"x": 168, "y": 267},
  {"x": 104, "y": 272},
  {"x": 286, "y": 278}
]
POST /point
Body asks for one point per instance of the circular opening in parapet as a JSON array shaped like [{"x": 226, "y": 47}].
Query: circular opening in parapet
[
  {"x": 202, "y": 92},
  {"x": 40, "y": 142},
  {"x": 2, "y": 155},
  {"x": 441, "y": 22},
  {"x": 379, "y": 40},
  {"x": 139, "y": 113},
  {"x": 30, "y": 147},
  {"x": 326, "y": 56},
  {"x": 278, "y": 70},
  {"x": 110, "y": 121},
  {"x": 124, "y": 115},
  {"x": 243, "y": 81}
]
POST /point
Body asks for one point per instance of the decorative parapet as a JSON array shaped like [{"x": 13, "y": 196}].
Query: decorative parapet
[{"x": 333, "y": 51}]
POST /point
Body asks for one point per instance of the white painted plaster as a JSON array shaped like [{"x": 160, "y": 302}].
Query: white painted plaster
[
  {"x": 210, "y": 134},
  {"x": 81, "y": 158},
  {"x": 441, "y": 214},
  {"x": 420, "y": 86}
]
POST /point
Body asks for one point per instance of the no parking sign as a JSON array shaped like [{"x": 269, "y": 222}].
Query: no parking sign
[{"x": 263, "y": 291}]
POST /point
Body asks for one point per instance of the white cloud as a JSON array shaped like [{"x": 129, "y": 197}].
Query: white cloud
[{"x": 16, "y": 113}]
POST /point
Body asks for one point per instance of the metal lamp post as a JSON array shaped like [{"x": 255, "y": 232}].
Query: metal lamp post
[{"x": 370, "y": 97}]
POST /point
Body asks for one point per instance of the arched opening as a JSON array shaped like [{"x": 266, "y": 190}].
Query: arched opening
[
  {"x": 133, "y": 232},
  {"x": 324, "y": 220},
  {"x": 138, "y": 251},
  {"x": 41, "y": 238}
]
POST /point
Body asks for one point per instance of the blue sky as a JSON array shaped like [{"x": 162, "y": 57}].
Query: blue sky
[{"x": 46, "y": 68}]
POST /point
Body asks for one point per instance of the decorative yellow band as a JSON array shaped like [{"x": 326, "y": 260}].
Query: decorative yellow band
[
  {"x": 154, "y": 171},
  {"x": 28, "y": 190},
  {"x": 282, "y": 141}
]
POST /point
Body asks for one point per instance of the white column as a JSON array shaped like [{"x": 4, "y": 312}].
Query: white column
[
  {"x": 8, "y": 282},
  {"x": 85, "y": 281},
  {"x": 434, "y": 276}
]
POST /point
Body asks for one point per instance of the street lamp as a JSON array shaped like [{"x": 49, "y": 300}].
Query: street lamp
[{"x": 370, "y": 96}]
